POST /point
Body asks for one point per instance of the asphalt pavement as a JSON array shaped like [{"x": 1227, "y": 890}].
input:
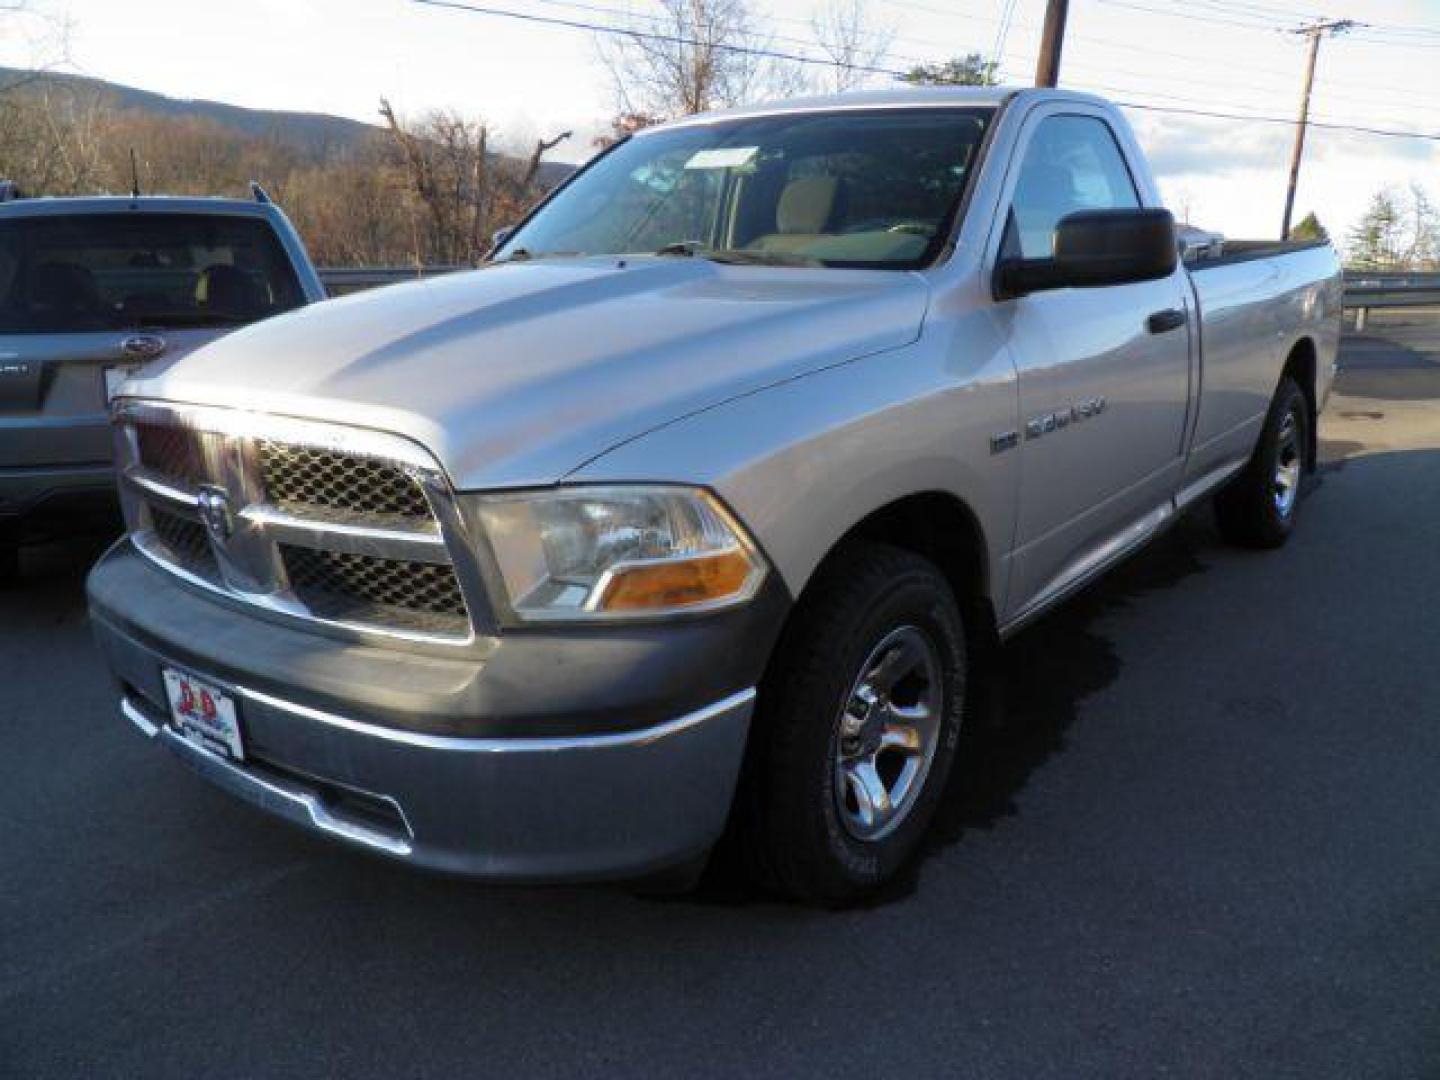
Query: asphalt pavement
[{"x": 1207, "y": 844}]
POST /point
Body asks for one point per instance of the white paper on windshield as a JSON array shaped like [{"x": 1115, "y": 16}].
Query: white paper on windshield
[{"x": 728, "y": 157}]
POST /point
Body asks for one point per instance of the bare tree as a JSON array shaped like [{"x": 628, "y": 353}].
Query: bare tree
[
  {"x": 462, "y": 188},
  {"x": 853, "y": 44},
  {"x": 693, "y": 56},
  {"x": 623, "y": 125},
  {"x": 46, "y": 36}
]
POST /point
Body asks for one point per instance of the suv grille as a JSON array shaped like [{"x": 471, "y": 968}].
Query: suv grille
[{"x": 339, "y": 529}]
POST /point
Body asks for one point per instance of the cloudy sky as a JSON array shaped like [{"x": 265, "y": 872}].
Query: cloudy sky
[{"x": 1225, "y": 56}]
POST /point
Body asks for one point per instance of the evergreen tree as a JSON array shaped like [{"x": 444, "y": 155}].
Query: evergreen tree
[
  {"x": 1375, "y": 241},
  {"x": 1309, "y": 229},
  {"x": 969, "y": 70}
]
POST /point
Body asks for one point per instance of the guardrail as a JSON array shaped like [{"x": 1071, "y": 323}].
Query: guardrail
[
  {"x": 339, "y": 280},
  {"x": 1364, "y": 289}
]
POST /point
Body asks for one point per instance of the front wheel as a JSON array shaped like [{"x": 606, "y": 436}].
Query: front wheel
[
  {"x": 1257, "y": 509},
  {"x": 856, "y": 729}
]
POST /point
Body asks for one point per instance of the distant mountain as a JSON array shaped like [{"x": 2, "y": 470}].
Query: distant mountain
[{"x": 314, "y": 134}]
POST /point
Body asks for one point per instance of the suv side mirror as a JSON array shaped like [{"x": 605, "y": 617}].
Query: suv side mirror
[{"x": 1096, "y": 247}]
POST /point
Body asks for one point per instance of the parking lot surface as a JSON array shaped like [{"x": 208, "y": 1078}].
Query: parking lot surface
[{"x": 1205, "y": 844}]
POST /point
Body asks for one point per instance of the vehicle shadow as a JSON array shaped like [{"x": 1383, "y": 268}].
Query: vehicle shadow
[
  {"x": 1031, "y": 689},
  {"x": 50, "y": 583}
]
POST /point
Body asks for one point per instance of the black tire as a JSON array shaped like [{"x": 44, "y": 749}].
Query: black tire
[
  {"x": 792, "y": 827},
  {"x": 1250, "y": 511}
]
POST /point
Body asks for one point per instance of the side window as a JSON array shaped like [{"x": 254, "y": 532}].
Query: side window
[{"x": 1072, "y": 163}]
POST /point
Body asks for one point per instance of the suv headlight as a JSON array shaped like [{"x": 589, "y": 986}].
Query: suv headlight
[{"x": 618, "y": 552}]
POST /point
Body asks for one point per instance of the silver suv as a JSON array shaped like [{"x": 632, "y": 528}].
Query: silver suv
[{"x": 90, "y": 290}]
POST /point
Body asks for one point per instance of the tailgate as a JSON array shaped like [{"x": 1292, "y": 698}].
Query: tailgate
[{"x": 54, "y": 389}]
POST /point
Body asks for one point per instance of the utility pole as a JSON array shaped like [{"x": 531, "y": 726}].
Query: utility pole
[
  {"x": 1315, "y": 31},
  {"x": 1047, "y": 67}
]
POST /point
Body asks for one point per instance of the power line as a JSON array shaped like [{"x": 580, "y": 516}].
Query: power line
[
  {"x": 657, "y": 20},
  {"x": 1289, "y": 15},
  {"x": 1407, "y": 36},
  {"x": 600, "y": 28},
  {"x": 1388, "y": 133},
  {"x": 646, "y": 35},
  {"x": 1252, "y": 24}
]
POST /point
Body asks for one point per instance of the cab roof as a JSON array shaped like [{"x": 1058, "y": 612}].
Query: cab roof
[{"x": 899, "y": 98}]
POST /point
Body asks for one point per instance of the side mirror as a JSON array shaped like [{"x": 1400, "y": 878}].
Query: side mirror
[{"x": 1096, "y": 247}]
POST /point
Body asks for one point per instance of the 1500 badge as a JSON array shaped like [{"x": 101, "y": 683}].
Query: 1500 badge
[{"x": 1044, "y": 424}]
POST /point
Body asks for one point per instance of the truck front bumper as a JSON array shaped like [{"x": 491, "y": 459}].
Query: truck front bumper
[{"x": 589, "y": 805}]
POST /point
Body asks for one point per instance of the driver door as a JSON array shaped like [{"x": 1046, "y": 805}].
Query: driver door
[{"x": 1103, "y": 388}]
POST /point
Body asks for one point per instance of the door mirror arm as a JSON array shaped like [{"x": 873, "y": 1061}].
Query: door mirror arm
[{"x": 498, "y": 239}]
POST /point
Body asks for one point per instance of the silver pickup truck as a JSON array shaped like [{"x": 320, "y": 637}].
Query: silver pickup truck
[
  {"x": 698, "y": 507},
  {"x": 91, "y": 289}
]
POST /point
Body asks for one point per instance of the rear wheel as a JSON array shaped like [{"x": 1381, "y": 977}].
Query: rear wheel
[
  {"x": 856, "y": 727},
  {"x": 1258, "y": 508}
]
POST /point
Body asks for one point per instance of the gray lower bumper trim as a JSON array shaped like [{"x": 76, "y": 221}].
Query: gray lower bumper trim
[
  {"x": 505, "y": 746},
  {"x": 279, "y": 796},
  {"x": 545, "y": 809}
]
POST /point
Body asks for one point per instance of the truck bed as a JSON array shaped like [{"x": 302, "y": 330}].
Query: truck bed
[{"x": 1235, "y": 251}]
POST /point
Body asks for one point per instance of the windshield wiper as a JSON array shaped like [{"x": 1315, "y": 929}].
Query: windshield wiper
[
  {"x": 526, "y": 255},
  {"x": 737, "y": 256}
]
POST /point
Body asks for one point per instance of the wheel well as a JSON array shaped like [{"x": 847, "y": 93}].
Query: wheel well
[
  {"x": 1300, "y": 366},
  {"x": 940, "y": 527}
]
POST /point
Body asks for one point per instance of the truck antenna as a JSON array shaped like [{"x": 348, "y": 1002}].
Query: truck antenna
[
  {"x": 261, "y": 195},
  {"x": 134, "y": 176}
]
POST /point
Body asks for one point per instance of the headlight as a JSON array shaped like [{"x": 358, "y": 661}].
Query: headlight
[{"x": 618, "y": 552}]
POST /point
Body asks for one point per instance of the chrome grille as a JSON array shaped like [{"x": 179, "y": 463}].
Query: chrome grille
[
  {"x": 171, "y": 451},
  {"x": 309, "y": 520},
  {"x": 312, "y": 476},
  {"x": 341, "y": 583},
  {"x": 187, "y": 542}
]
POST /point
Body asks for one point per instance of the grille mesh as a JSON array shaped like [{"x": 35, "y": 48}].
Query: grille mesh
[
  {"x": 172, "y": 452},
  {"x": 317, "y": 477},
  {"x": 308, "y": 482},
  {"x": 187, "y": 541},
  {"x": 338, "y": 576}
]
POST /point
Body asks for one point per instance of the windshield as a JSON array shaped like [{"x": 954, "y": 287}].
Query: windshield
[
  {"x": 78, "y": 272},
  {"x": 865, "y": 188}
]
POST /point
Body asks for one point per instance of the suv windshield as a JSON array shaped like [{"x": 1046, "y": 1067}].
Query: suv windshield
[
  {"x": 865, "y": 188},
  {"x": 77, "y": 272}
]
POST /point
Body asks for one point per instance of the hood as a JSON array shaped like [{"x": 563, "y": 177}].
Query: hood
[{"x": 517, "y": 374}]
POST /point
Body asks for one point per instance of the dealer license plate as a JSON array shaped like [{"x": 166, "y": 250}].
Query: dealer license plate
[{"x": 204, "y": 714}]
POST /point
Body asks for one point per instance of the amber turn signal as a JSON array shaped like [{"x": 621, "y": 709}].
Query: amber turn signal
[{"x": 680, "y": 584}]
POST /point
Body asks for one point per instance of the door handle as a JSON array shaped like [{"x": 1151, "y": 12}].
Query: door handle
[{"x": 1162, "y": 322}]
